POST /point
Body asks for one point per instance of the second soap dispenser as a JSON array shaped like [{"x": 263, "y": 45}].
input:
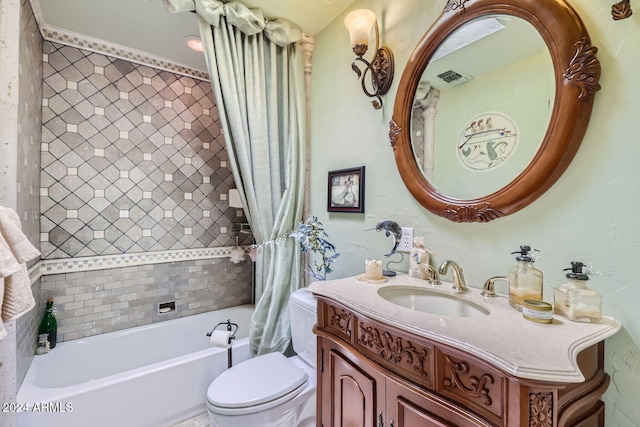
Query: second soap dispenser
[
  {"x": 575, "y": 300},
  {"x": 525, "y": 281}
]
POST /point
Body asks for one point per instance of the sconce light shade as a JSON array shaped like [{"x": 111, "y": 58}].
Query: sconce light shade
[
  {"x": 359, "y": 23},
  {"x": 234, "y": 198}
]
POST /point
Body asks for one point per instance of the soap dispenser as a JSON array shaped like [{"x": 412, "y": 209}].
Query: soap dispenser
[
  {"x": 575, "y": 300},
  {"x": 525, "y": 281}
]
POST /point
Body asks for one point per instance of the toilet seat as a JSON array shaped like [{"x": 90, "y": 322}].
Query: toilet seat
[{"x": 256, "y": 385}]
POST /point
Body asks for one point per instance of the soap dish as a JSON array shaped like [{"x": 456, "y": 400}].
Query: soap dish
[{"x": 363, "y": 278}]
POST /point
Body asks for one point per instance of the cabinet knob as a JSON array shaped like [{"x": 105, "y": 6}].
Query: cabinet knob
[{"x": 380, "y": 423}]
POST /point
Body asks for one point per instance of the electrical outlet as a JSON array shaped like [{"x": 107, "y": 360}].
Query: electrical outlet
[{"x": 406, "y": 240}]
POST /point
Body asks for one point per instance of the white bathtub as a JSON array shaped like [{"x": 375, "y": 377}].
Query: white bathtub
[{"x": 154, "y": 375}]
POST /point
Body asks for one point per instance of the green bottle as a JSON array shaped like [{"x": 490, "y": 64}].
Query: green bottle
[{"x": 49, "y": 325}]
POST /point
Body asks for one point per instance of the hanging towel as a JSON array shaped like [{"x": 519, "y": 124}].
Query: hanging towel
[{"x": 16, "y": 297}]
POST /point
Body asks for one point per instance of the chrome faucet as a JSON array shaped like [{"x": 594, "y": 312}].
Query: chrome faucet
[{"x": 458, "y": 277}]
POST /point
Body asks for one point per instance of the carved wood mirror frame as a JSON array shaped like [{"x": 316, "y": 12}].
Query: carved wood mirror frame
[{"x": 576, "y": 70}]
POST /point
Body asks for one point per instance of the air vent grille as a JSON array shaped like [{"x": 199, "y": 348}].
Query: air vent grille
[{"x": 454, "y": 78}]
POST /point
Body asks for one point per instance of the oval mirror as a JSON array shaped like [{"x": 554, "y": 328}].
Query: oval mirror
[{"x": 492, "y": 106}]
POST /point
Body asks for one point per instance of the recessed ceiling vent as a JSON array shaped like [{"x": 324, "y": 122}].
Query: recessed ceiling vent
[{"x": 454, "y": 78}]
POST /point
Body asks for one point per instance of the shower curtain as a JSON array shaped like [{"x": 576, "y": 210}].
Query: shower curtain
[{"x": 257, "y": 73}]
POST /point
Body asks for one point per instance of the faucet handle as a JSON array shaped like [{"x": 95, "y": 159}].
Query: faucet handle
[
  {"x": 432, "y": 275},
  {"x": 489, "y": 289}
]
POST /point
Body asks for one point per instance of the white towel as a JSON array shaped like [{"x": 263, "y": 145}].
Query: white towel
[{"x": 16, "y": 297}]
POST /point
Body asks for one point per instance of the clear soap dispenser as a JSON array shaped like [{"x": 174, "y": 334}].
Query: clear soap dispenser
[
  {"x": 575, "y": 300},
  {"x": 525, "y": 281}
]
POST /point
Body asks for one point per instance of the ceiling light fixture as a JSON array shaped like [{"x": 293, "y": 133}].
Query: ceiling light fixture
[
  {"x": 195, "y": 43},
  {"x": 359, "y": 23}
]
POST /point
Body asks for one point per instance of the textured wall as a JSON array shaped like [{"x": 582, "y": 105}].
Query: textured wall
[
  {"x": 29, "y": 137},
  {"x": 590, "y": 214},
  {"x": 132, "y": 159}
]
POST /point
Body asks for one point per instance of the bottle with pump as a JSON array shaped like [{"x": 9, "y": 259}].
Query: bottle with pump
[
  {"x": 575, "y": 300},
  {"x": 525, "y": 281},
  {"x": 49, "y": 325}
]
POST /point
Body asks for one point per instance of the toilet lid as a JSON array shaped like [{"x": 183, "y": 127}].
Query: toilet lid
[{"x": 256, "y": 381}]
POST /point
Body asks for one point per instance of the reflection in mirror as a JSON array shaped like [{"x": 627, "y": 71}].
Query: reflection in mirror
[
  {"x": 538, "y": 105},
  {"x": 482, "y": 106}
]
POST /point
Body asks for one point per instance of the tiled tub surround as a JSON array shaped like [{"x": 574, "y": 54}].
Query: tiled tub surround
[
  {"x": 133, "y": 159},
  {"x": 100, "y": 301}
]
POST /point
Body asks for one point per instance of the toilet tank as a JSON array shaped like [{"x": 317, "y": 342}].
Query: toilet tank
[{"x": 302, "y": 312}]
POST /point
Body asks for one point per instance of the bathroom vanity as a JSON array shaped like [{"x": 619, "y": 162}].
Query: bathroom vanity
[{"x": 405, "y": 353}]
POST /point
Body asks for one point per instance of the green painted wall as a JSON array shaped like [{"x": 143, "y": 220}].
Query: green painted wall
[{"x": 590, "y": 214}]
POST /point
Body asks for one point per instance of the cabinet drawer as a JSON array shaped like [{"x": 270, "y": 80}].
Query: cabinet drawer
[
  {"x": 400, "y": 352},
  {"x": 336, "y": 319},
  {"x": 474, "y": 384}
]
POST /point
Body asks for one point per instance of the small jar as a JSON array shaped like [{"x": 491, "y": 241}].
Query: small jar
[
  {"x": 43, "y": 344},
  {"x": 537, "y": 311}
]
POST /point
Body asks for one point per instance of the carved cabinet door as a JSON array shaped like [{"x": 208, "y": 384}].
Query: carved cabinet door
[
  {"x": 408, "y": 407},
  {"x": 352, "y": 394}
]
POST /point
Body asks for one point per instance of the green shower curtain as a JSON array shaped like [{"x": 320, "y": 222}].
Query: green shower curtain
[{"x": 257, "y": 72}]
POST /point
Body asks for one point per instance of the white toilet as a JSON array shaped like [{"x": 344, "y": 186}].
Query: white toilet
[{"x": 272, "y": 390}]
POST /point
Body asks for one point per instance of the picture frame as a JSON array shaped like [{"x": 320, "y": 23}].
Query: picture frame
[{"x": 345, "y": 190}]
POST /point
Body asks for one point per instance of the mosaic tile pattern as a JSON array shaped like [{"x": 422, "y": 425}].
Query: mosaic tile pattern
[
  {"x": 100, "y": 301},
  {"x": 133, "y": 159},
  {"x": 72, "y": 265}
]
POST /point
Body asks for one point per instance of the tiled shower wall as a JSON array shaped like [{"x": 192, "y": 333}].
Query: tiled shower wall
[
  {"x": 133, "y": 161},
  {"x": 102, "y": 301}
]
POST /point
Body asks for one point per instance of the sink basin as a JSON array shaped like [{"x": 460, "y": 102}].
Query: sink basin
[{"x": 432, "y": 302}]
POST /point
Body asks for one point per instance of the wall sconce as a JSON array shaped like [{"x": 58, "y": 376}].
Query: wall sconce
[{"x": 359, "y": 23}]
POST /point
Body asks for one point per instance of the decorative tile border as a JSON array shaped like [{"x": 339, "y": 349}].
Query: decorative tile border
[
  {"x": 71, "y": 265},
  {"x": 100, "y": 46},
  {"x": 35, "y": 272},
  {"x": 82, "y": 41}
]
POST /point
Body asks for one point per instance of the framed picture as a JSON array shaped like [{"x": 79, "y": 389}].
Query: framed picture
[{"x": 346, "y": 190}]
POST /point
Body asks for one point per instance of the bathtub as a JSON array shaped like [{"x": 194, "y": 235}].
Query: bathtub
[{"x": 154, "y": 375}]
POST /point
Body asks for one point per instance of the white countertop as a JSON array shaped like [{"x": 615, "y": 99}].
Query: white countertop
[{"x": 520, "y": 347}]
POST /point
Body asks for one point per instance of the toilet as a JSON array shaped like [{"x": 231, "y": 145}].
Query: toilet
[{"x": 272, "y": 390}]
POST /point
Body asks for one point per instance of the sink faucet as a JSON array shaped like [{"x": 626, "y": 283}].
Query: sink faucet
[
  {"x": 489, "y": 290},
  {"x": 432, "y": 275},
  {"x": 458, "y": 278}
]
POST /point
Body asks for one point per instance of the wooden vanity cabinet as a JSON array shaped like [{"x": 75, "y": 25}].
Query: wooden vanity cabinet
[{"x": 374, "y": 375}]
